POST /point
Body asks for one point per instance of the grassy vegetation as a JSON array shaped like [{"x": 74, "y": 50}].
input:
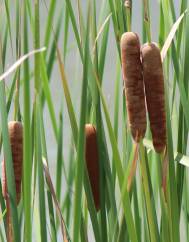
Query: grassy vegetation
[{"x": 60, "y": 207}]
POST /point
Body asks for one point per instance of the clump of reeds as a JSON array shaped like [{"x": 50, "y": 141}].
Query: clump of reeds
[
  {"x": 155, "y": 96},
  {"x": 133, "y": 82},
  {"x": 16, "y": 141},
  {"x": 92, "y": 162}
]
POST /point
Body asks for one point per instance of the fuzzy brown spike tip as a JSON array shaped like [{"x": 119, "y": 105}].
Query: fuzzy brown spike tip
[
  {"x": 16, "y": 141},
  {"x": 92, "y": 162},
  {"x": 155, "y": 96},
  {"x": 134, "y": 86}
]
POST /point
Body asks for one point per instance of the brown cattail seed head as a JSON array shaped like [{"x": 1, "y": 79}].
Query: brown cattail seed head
[
  {"x": 155, "y": 97},
  {"x": 92, "y": 162},
  {"x": 134, "y": 87},
  {"x": 16, "y": 141}
]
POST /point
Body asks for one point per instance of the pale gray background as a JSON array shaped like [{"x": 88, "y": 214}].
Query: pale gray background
[{"x": 74, "y": 72}]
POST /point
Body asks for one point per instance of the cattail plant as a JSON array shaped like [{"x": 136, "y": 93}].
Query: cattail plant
[
  {"x": 155, "y": 97},
  {"x": 16, "y": 140},
  {"x": 133, "y": 82},
  {"x": 91, "y": 156}
]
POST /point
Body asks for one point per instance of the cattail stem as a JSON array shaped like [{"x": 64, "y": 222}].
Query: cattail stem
[
  {"x": 9, "y": 223},
  {"x": 165, "y": 161},
  {"x": 147, "y": 193},
  {"x": 133, "y": 168},
  {"x": 147, "y": 20},
  {"x": 16, "y": 106},
  {"x": 128, "y": 14}
]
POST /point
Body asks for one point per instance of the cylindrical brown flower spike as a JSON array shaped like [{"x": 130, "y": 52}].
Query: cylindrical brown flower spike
[
  {"x": 16, "y": 141},
  {"x": 91, "y": 156},
  {"x": 134, "y": 87},
  {"x": 155, "y": 97}
]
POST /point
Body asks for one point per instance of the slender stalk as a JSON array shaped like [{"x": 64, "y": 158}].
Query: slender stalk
[
  {"x": 9, "y": 231},
  {"x": 147, "y": 20},
  {"x": 128, "y": 14},
  {"x": 148, "y": 196},
  {"x": 80, "y": 147},
  {"x": 27, "y": 161}
]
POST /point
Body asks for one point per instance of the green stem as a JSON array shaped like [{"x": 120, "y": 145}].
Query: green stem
[
  {"x": 27, "y": 161},
  {"x": 147, "y": 20},
  {"x": 128, "y": 14},
  {"x": 148, "y": 196}
]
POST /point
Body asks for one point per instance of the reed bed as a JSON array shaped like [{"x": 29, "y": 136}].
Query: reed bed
[{"x": 98, "y": 149}]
